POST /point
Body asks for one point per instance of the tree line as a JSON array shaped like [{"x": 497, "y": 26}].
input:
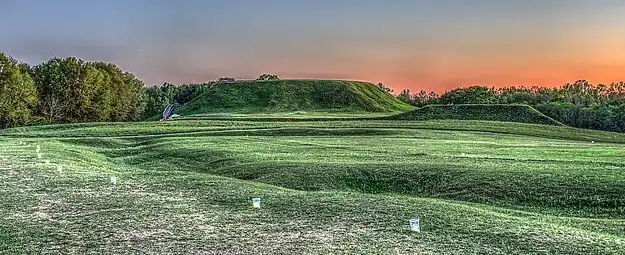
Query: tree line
[
  {"x": 69, "y": 90},
  {"x": 580, "y": 104},
  {"x": 66, "y": 90}
]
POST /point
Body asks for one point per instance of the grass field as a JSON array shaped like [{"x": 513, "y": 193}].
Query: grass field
[
  {"x": 293, "y": 115},
  {"x": 327, "y": 187}
]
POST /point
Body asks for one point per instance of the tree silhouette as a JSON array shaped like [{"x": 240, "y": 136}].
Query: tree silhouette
[{"x": 267, "y": 77}]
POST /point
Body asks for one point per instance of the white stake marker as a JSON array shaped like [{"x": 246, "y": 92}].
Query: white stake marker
[
  {"x": 38, "y": 149},
  {"x": 414, "y": 225},
  {"x": 113, "y": 180},
  {"x": 38, "y": 155},
  {"x": 256, "y": 202},
  {"x": 59, "y": 168}
]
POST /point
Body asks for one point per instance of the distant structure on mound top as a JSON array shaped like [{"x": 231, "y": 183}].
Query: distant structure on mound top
[{"x": 225, "y": 80}]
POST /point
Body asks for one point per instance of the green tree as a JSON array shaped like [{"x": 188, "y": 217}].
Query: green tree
[
  {"x": 60, "y": 87},
  {"x": 470, "y": 95},
  {"x": 384, "y": 88},
  {"x": 97, "y": 98},
  {"x": 72, "y": 90},
  {"x": 267, "y": 77},
  {"x": 405, "y": 96},
  {"x": 129, "y": 96},
  {"x": 18, "y": 94},
  {"x": 423, "y": 98}
]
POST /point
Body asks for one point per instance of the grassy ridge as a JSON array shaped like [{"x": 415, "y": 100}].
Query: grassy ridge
[
  {"x": 493, "y": 112},
  {"x": 327, "y": 188},
  {"x": 499, "y": 113},
  {"x": 462, "y": 166},
  {"x": 204, "y": 127},
  {"x": 294, "y": 95},
  {"x": 427, "y": 159},
  {"x": 78, "y": 211}
]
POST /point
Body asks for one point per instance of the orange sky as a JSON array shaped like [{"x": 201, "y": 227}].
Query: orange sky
[{"x": 405, "y": 44}]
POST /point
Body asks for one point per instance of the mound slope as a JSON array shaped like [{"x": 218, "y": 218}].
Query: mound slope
[
  {"x": 294, "y": 95},
  {"x": 492, "y": 112}
]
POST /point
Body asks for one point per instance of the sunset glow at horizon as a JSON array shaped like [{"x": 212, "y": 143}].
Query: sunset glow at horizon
[{"x": 405, "y": 44}]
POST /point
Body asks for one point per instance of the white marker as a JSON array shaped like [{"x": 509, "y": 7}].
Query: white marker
[
  {"x": 59, "y": 168},
  {"x": 256, "y": 202},
  {"x": 38, "y": 149},
  {"x": 38, "y": 155},
  {"x": 47, "y": 162},
  {"x": 414, "y": 225},
  {"x": 113, "y": 180}
]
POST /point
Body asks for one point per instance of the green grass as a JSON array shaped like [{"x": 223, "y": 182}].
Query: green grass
[
  {"x": 328, "y": 187},
  {"x": 492, "y": 112},
  {"x": 293, "y": 95},
  {"x": 290, "y": 115}
]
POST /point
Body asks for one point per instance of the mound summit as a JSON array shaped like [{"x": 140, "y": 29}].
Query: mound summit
[{"x": 294, "y": 95}]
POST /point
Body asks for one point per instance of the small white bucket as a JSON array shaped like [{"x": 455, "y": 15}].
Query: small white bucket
[
  {"x": 414, "y": 225},
  {"x": 113, "y": 180},
  {"x": 59, "y": 168},
  {"x": 256, "y": 202}
]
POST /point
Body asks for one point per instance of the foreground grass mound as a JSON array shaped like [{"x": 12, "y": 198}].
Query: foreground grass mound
[
  {"x": 327, "y": 187},
  {"x": 490, "y": 112},
  {"x": 294, "y": 95}
]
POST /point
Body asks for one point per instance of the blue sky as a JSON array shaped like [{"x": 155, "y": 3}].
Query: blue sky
[{"x": 416, "y": 44}]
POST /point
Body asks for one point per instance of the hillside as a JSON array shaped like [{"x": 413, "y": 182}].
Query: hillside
[
  {"x": 294, "y": 95},
  {"x": 489, "y": 112},
  {"x": 335, "y": 187}
]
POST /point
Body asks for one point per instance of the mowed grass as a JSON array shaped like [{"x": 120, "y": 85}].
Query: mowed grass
[
  {"x": 294, "y": 114},
  {"x": 327, "y": 187}
]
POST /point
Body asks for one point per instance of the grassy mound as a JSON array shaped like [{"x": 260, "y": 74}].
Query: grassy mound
[
  {"x": 490, "y": 112},
  {"x": 331, "y": 187},
  {"x": 294, "y": 95}
]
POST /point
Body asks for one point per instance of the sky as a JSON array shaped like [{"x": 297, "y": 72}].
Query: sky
[{"x": 432, "y": 45}]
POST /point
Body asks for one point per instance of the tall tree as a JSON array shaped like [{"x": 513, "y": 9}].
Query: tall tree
[
  {"x": 405, "y": 96},
  {"x": 97, "y": 100},
  {"x": 129, "y": 95},
  {"x": 18, "y": 94},
  {"x": 54, "y": 80},
  {"x": 73, "y": 90}
]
